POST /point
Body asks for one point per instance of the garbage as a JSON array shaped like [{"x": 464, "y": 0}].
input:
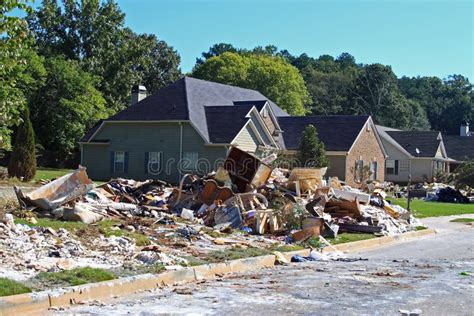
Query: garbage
[{"x": 245, "y": 203}]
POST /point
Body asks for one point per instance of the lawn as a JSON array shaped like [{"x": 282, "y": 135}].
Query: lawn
[
  {"x": 50, "y": 173},
  {"x": 11, "y": 287},
  {"x": 423, "y": 209},
  {"x": 75, "y": 276}
]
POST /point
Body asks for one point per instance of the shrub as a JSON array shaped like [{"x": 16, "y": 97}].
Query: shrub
[{"x": 311, "y": 152}]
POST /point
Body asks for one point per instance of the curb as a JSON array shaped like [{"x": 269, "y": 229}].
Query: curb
[
  {"x": 373, "y": 243},
  {"x": 39, "y": 302}
]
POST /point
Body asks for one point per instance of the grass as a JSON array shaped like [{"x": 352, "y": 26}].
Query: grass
[
  {"x": 105, "y": 227},
  {"x": 50, "y": 173},
  {"x": 287, "y": 248},
  {"x": 75, "y": 276},
  {"x": 11, "y": 287},
  {"x": 423, "y": 209},
  {"x": 54, "y": 224},
  {"x": 341, "y": 238},
  {"x": 237, "y": 253},
  {"x": 462, "y": 220}
]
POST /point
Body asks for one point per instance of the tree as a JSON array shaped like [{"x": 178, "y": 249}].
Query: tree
[
  {"x": 272, "y": 76},
  {"x": 93, "y": 33},
  {"x": 66, "y": 106},
  {"x": 215, "y": 50},
  {"x": 14, "y": 40},
  {"x": 311, "y": 151},
  {"x": 464, "y": 175},
  {"x": 22, "y": 162}
]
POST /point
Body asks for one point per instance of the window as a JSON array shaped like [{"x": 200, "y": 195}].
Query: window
[
  {"x": 119, "y": 162},
  {"x": 359, "y": 170},
  {"x": 391, "y": 167},
  {"x": 404, "y": 165},
  {"x": 153, "y": 162},
  {"x": 190, "y": 159},
  {"x": 265, "y": 112},
  {"x": 373, "y": 170}
]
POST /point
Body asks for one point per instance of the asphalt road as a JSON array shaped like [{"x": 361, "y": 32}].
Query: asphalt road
[{"x": 427, "y": 275}]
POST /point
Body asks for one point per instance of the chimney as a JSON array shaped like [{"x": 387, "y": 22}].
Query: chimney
[
  {"x": 138, "y": 94},
  {"x": 464, "y": 130}
]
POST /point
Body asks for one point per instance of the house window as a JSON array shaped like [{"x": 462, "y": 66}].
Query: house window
[
  {"x": 265, "y": 112},
  {"x": 119, "y": 162},
  {"x": 190, "y": 159},
  {"x": 391, "y": 167},
  {"x": 404, "y": 165},
  {"x": 359, "y": 170},
  {"x": 373, "y": 170},
  {"x": 153, "y": 162}
]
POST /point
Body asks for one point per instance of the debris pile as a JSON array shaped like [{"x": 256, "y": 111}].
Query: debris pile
[{"x": 266, "y": 206}]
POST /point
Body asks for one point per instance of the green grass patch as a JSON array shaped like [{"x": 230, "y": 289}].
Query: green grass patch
[
  {"x": 50, "y": 173},
  {"x": 106, "y": 229},
  {"x": 423, "y": 208},
  {"x": 194, "y": 261},
  {"x": 462, "y": 220},
  {"x": 421, "y": 227},
  {"x": 75, "y": 276},
  {"x": 349, "y": 237},
  {"x": 286, "y": 248},
  {"x": 236, "y": 253},
  {"x": 54, "y": 224},
  {"x": 11, "y": 287}
]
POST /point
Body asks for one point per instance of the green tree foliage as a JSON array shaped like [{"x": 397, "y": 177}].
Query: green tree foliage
[
  {"x": 22, "y": 162},
  {"x": 464, "y": 175},
  {"x": 65, "y": 106},
  {"x": 14, "y": 40},
  {"x": 272, "y": 76},
  {"x": 92, "y": 32},
  {"x": 311, "y": 151},
  {"x": 447, "y": 103}
]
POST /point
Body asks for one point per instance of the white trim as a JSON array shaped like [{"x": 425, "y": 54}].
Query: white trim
[
  {"x": 337, "y": 153},
  {"x": 272, "y": 115},
  {"x": 374, "y": 129},
  {"x": 393, "y": 142},
  {"x": 262, "y": 123},
  {"x": 94, "y": 143},
  {"x": 253, "y": 128}
]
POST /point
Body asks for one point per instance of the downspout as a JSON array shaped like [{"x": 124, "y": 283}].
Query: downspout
[
  {"x": 180, "y": 146},
  {"x": 81, "y": 146}
]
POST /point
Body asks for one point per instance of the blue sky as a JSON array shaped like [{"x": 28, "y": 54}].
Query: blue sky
[{"x": 415, "y": 37}]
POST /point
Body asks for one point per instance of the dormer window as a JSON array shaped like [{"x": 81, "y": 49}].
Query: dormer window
[{"x": 265, "y": 112}]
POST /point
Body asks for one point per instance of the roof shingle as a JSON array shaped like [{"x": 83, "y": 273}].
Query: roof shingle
[{"x": 427, "y": 142}]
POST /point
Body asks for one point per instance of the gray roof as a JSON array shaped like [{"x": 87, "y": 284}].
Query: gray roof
[
  {"x": 460, "y": 148},
  {"x": 427, "y": 142},
  {"x": 337, "y": 132},
  {"x": 225, "y": 122},
  {"x": 187, "y": 98}
]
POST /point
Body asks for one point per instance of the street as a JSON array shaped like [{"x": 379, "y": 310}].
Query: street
[{"x": 433, "y": 275}]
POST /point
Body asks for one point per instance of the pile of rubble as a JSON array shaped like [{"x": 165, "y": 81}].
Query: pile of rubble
[{"x": 267, "y": 206}]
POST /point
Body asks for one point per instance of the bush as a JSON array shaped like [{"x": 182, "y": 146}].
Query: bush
[
  {"x": 311, "y": 152},
  {"x": 464, "y": 175},
  {"x": 22, "y": 164}
]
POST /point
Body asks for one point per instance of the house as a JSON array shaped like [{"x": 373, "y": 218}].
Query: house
[
  {"x": 186, "y": 127},
  {"x": 190, "y": 125},
  {"x": 460, "y": 148},
  {"x": 351, "y": 143},
  {"x": 421, "y": 154}
]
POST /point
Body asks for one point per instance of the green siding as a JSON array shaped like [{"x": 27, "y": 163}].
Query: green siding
[
  {"x": 139, "y": 138},
  {"x": 247, "y": 140},
  {"x": 260, "y": 129}
]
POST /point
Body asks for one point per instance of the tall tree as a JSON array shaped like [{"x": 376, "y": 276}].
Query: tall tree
[
  {"x": 272, "y": 76},
  {"x": 14, "y": 40},
  {"x": 93, "y": 33},
  {"x": 65, "y": 106},
  {"x": 311, "y": 151},
  {"x": 22, "y": 162}
]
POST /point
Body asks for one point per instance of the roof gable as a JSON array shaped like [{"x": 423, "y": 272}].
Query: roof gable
[
  {"x": 337, "y": 132},
  {"x": 418, "y": 143},
  {"x": 460, "y": 148}
]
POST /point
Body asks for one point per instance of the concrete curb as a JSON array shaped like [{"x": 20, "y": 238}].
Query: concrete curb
[
  {"x": 373, "y": 243},
  {"x": 39, "y": 302}
]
